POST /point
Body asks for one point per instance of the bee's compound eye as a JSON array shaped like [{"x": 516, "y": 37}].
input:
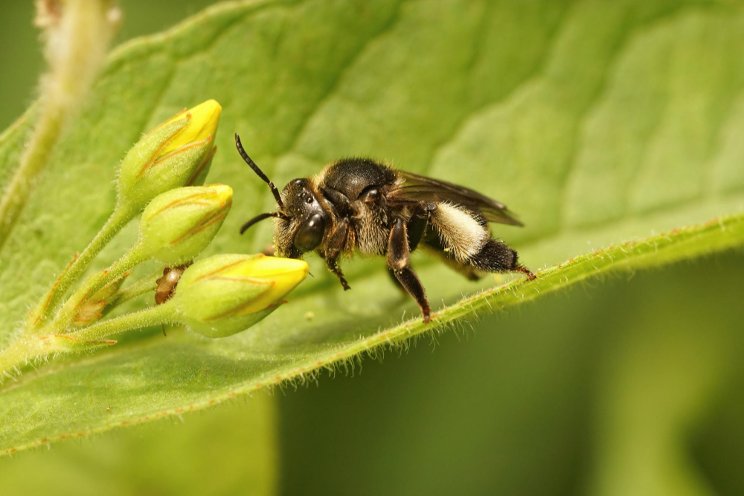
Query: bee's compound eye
[{"x": 310, "y": 234}]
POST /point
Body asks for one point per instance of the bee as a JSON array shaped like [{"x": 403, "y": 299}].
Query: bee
[{"x": 358, "y": 204}]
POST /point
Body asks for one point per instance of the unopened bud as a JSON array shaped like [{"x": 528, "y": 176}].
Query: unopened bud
[
  {"x": 93, "y": 308},
  {"x": 225, "y": 294},
  {"x": 178, "y": 224},
  {"x": 176, "y": 153}
]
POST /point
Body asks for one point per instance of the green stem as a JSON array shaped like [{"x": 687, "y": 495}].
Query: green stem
[
  {"x": 135, "y": 289},
  {"x": 84, "y": 30},
  {"x": 152, "y": 316},
  {"x": 70, "y": 275},
  {"x": 96, "y": 282},
  {"x": 27, "y": 349},
  {"x": 24, "y": 351},
  {"x": 31, "y": 163}
]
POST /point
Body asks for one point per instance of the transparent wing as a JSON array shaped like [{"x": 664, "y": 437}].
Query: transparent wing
[{"x": 415, "y": 187}]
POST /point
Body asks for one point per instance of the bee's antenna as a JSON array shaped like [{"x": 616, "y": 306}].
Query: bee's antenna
[
  {"x": 259, "y": 172},
  {"x": 259, "y": 218}
]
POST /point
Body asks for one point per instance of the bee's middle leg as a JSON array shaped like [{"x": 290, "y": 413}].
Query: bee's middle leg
[
  {"x": 415, "y": 230},
  {"x": 398, "y": 260}
]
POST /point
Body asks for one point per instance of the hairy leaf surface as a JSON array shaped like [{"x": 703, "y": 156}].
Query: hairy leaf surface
[{"x": 612, "y": 129}]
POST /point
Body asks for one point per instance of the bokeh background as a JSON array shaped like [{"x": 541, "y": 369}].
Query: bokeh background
[{"x": 633, "y": 384}]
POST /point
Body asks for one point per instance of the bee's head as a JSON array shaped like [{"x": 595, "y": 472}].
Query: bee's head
[
  {"x": 303, "y": 225},
  {"x": 300, "y": 219}
]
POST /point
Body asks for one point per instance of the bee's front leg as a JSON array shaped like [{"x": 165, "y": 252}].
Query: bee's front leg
[
  {"x": 398, "y": 259},
  {"x": 333, "y": 248},
  {"x": 333, "y": 266}
]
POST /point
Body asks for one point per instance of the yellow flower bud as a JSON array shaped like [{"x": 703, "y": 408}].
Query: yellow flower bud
[
  {"x": 176, "y": 153},
  {"x": 225, "y": 294},
  {"x": 178, "y": 224}
]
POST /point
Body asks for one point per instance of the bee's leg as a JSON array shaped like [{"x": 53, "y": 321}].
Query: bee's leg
[
  {"x": 334, "y": 267},
  {"x": 396, "y": 282},
  {"x": 434, "y": 244},
  {"x": 337, "y": 240},
  {"x": 524, "y": 270},
  {"x": 333, "y": 248},
  {"x": 398, "y": 259},
  {"x": 416, "y": 227},
  {"x": 416, "y": 230},
  {"x": 467, "y": 272}
]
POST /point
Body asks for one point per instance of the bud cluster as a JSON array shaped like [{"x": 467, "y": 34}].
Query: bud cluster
[{"x": 161, "y": 180}]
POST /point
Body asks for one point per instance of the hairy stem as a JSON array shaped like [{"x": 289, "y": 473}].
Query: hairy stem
[
  {"x": 96, "y": 282},
  {"x": 72, "y": 273},
  {"x": 26, "y": 350},
  {"x": 77, "y": 34},
  {"x": 137, "y": 288},
  {"x": 152, "y": 316}
]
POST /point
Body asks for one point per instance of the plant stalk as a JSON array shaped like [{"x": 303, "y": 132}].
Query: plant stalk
[
  {"x": 94, "y": 283},
  {"x": 151, "y": 316},
  {"x": 72, "y": 273},
  {"x": 77, "y": 38}
]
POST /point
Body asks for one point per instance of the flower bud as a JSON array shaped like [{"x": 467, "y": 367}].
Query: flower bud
[
  {"x": 96, "y": 306},
  {"x": 178, "y": 224},
  {"x": 226, "y": 294},
  {"x": 176, "y": 153}
]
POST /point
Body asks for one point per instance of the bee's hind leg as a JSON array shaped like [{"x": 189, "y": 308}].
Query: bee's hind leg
[
  {"x": 433, "y": 244},
  {"x": 398, "y": 260},
  {"x": 524, "y": 270}
]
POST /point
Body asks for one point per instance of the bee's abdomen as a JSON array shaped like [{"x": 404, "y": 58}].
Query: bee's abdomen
[
  {"x": 463, "y": 237},
  {"x": 461, "y": 234}
]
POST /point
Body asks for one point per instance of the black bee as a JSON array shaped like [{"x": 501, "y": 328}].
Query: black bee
[{"x": 360, "y": 204}]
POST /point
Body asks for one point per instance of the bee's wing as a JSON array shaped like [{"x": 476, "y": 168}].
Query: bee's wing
[{"x": 415, "y": 187}]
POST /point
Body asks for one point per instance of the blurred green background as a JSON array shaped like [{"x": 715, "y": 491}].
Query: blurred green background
[{"x": 630, "y": 385}]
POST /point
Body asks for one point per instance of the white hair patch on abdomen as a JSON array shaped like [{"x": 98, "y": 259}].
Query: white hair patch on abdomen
[{"x": 459, "y": 232}]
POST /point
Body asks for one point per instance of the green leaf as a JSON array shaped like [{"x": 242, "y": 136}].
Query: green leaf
[{"x": 602, "y": 125}]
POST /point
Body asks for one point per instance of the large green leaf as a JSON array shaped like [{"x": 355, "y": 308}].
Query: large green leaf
[{"x": 598, "y": 123}]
